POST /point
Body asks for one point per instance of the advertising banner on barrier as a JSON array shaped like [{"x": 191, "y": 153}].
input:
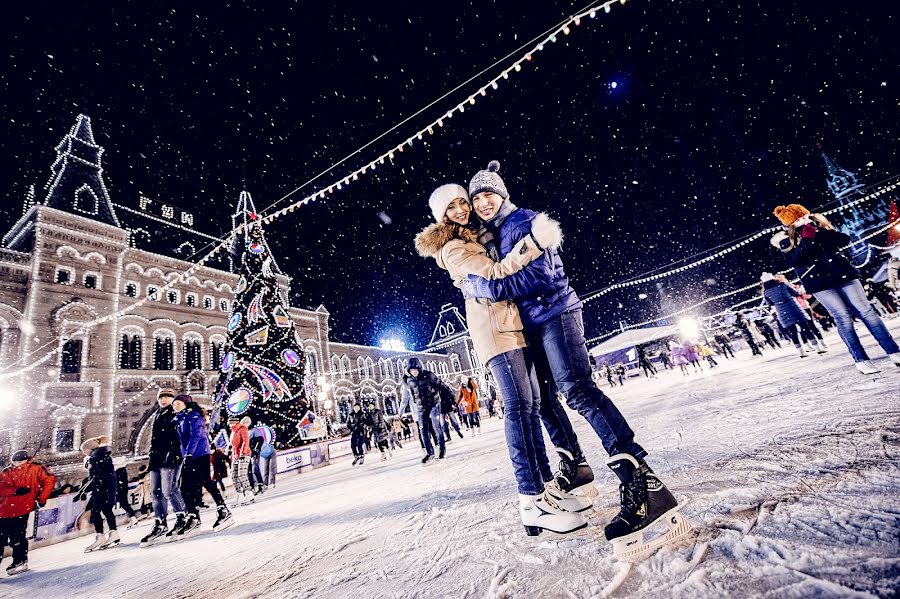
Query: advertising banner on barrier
[
  {"x": 339, "y": 448},
  {"x": 292, "y": 459}
]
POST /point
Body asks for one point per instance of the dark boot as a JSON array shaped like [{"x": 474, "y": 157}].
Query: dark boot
[
  {"x": 643, "y": 497},
  {"x": 574, "y": 473}
]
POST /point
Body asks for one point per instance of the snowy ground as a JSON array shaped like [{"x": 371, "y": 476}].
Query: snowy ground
[{"x": 791, "y": 468}]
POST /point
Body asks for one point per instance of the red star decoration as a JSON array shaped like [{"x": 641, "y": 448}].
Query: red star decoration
[{"x": 253, "y": 216}]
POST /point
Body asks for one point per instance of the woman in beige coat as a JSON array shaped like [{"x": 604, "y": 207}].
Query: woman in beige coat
[{"x": 496, "y": 331}]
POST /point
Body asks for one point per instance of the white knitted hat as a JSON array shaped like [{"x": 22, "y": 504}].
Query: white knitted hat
[{"x": 441, "y": 198}]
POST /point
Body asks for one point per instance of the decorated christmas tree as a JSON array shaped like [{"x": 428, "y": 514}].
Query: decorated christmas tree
[{"x": 262, "y": 371}]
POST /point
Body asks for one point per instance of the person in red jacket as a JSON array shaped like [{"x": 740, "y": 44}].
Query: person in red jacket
[
  {"x": 22, "y": 485},
  {"x": 240, "y": 454}
]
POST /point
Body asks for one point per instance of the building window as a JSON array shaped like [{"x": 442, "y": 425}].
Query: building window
[
  {"x": 64, "y": 276},
  {"x": 172, "y": 296},
  {"x": 131, "y": 289},
  {"x": 90, "y": 281},
  {"x": 65, "y": 440},
  {"x": 208, "y": 303},
  {"x": 216, "y": 352},
  {"x": 163, "y": 353},
  {"x": 153, "y": 293},
  {"x": 192, "y": 354},
  {"x": 70, "y": 362},
  {"x": 130, "y": 349},
  {"x": 223, "y": 305},
  {"x": 191, "y": 300},
  {"x": 454, "y": 363}
]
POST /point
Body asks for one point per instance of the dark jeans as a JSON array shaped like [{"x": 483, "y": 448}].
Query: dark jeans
[
  {"x": 849, "y": 301},
  {"x": 562, "y": 363},
  {"x": 194, "y": 478},
  {"x": 97, "y": 516},
  {"x": 517, "y": 381},
  {"x": 357, "y": 442},
  {"x": 474, "y": 419},
  {"x": 164, "y": 483},
  {"x": 122, "y": 498},
  {"x": 430, "y": 424},
  {"x": 12, "y": 533},
  {"x": 805, "y": 333},
  {"x": 451, "y": 420}
]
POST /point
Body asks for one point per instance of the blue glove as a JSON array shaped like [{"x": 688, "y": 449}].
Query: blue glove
[{"x": 477, "y": 287}]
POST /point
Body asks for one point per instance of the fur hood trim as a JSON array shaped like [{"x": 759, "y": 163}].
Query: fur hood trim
[{"x": 432, "y": 239}]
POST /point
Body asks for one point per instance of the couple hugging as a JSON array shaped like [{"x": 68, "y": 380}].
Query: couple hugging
[{"x": 526, "y": 325}]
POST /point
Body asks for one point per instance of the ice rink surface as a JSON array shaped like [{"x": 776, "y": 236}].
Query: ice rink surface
[{"x": 790, "y": 469}]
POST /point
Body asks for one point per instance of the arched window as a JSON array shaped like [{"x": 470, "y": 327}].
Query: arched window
[
  {"x": 346, "y": 369},
  {"x": 163, "y": 350},
  {"x": 401, "y": 368},
  {"x": 336, "y": 370},
  {"x": 130, "y": 349},
  {"x": 390, "y": 403},
  {"x": 192, "y": 354},
  {"x": 454, "y": 363},
  {"x": 442, "y": 368},
  {"x": 216, "y": 352},
  {"x": 370, "y": 368},
  {"x": 361, "y": 368},
  {"x": 312, "y": 365}
]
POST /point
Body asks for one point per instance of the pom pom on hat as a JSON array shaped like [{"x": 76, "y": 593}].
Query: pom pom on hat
[
  {"x": 441, "y": 198},
  {"x": 488, "y": 180},
  {"x": 789, "y": 214}
]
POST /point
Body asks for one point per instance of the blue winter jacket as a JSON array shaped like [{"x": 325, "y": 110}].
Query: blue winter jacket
[
  {"x": 192, "y": 433},
  {"x": 541, "y": 290},
  {"x": 786, "y": 307}
]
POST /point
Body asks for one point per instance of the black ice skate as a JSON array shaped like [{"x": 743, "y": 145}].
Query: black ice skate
[
  {"x": 428, "y": 457},
  {"x": 575, "y": 476},
  {"x": 442, "y": 453},
  {"x": 645, "y": 501},
  {"x": 174, "y": 534},
  {"x": 17, "y": 568},
  {"x": 224, "y": 520},
  {"x": 190, "y": 528},
  {"x": 157, "y": 534}
]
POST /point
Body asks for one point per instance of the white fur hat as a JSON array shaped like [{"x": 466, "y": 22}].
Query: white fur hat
[
  {"x": 441, "y": 198},
  {"x": 767, "y": 276}
]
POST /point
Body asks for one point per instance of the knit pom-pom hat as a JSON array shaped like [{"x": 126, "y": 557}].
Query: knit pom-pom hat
[
  {"x": 488, "y": 180},
  {"x": 789, "y": 214}
]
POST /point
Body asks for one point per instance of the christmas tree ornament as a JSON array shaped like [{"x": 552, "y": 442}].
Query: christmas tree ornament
[
  {"x": 255, "y": 309},
  {"x": 270, "y": 382},
  {"x": 258, "y": 337},
  {"x": 290, "y": 357},
  {"x": 239, "y": 401},
  {"x": 234, "y": 322},
  {"x": 241, "y": 285},
  {"x": 228, "y": 361},
  {"x": 282, "y": 320}
]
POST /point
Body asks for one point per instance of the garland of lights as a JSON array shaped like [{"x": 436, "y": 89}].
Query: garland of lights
[{"x": 729, "y": 293}]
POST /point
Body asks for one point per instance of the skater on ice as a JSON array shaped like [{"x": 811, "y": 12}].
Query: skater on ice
[
  {"x": 102, "y": 488},
  {"x": 780, "y": 294},
  {"x": 812, "y": 247},
  {"x": 422, "y": 390},
  {"x": 554, "y": 331},
  {"x": 25, "y": 485}
]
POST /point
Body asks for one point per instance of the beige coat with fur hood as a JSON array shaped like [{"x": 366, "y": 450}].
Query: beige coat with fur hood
[{"x": 495, "y": 327}]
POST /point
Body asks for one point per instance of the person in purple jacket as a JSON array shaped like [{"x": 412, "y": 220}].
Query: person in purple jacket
[
  {"x": 554, "y": 330},
  {"x": 195, "y": 472}
]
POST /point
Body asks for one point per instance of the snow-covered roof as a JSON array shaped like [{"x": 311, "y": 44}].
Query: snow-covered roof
[{"x": 633, "y": 337}]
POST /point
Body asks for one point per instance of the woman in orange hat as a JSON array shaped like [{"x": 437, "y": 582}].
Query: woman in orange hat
[{"x": 813, "y": 248}]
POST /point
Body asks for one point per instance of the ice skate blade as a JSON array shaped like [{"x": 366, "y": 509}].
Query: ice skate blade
[
  {"x": 588, "y": 490},
  {"x": 533, "y": 531},
  {"x": 631, "y": 548},
  {"x": 223, "y": 526}
]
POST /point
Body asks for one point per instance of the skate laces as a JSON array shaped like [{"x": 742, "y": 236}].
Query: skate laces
[{"x": 550, "y": 500}]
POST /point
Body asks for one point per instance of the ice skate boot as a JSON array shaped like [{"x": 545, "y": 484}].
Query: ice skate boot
[
  {"x": 99, "y": 540},
  {"x": 428, "y": 457},
  {"x": 224, "y": 519},
  {"x": 17, "y": 568},
  {"x": 383, "y": 456},
  {"x": 567, "y": 501},
  {"x": 575, "y": 476},
  {"x": 645, "y": 501},
  {"x": 112, "y": 539},
  {"x": 190, "y": 528},
  {"x": 541, "y": 513},
  {"x": 132, "y": 522},
  {"x": 895, "y": 358},
  {"x": 442, "y": 453},
  {"x": 866, "y": 367},
  {"x": 355, "y": 460},
  {"x": 180, "y": 521},
  {"x": 157, "y": 533},
  {"x": 802, "y": 351}
]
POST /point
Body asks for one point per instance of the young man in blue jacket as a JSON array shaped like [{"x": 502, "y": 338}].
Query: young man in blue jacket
[{"x": 551, "y": 314}]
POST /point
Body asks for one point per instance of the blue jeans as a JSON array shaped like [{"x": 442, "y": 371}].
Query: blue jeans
[
  {"x": 848, "y": 301},
  {"x": 164, "y": 483},
  {"x": 564, "y": 365},
  {"x": 431, "y": 418},
  {"x": 451, "y": 420},
  {"x": 518, "y": 386}
]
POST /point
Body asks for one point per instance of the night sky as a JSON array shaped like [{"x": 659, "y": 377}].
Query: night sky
[{"x": 713, "y": 120}]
